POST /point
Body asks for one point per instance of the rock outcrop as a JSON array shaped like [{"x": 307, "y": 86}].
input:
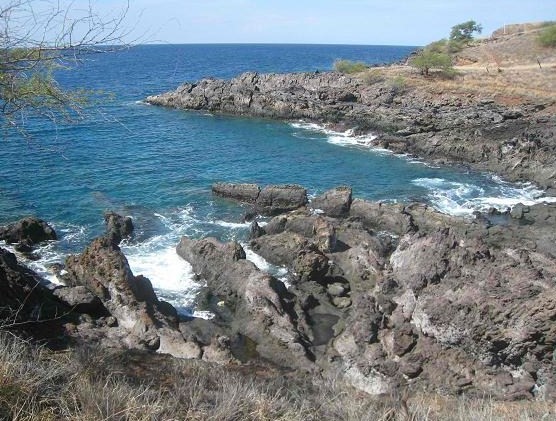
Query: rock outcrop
[
  {"x": 118, "y": 227},
  {"x": 251, "y": 302},
  {"x": 403, "y": 295},
  {"x": 143, "y": 321},
  {"x": 516, "y": 142},
  {"x": 27, "y": 232},
  {"x": 22, "y": 296}
]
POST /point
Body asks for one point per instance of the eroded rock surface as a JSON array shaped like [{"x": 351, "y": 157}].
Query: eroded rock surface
[{"x": 252, "y": 302}]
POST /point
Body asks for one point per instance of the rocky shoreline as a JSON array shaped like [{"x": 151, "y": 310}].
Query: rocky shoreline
[
  {"x": 515, "y": 141},
  {"x": 382, "y": 296}
]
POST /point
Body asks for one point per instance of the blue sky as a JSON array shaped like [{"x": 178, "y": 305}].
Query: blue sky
[{"x": 389, "y": 22}]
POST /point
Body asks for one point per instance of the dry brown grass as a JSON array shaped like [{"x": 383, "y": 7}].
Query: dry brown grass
[
  {"x": 37, "y": 384},
  {"x": 511, "y": 70}
]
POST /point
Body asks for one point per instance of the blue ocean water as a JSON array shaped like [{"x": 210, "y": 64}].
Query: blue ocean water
[{"x": 157, "y": 165}]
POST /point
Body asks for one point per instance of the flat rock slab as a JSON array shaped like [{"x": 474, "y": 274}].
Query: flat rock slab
[{"x": 270, "y": 200}]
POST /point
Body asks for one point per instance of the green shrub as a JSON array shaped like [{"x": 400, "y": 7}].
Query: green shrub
[
  {"x": 440, "y": 46},
  {"x": 547, "y": 37},
  {"x": 427, "y": 60},
  {"x": 349, "y": 67}
]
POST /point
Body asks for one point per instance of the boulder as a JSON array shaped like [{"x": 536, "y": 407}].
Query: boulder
[
  {"x": 104, "y": 270},
  {"x": 29, "y": 230},
  {"x": 81, "y": 300},
  {"x": 335, "y": 202},
  {"x": 257, "y": 302},
  {"x": 277, "y": 199},
  {"x": 22, "y": 296},
  {"x": 118, "y": 227}
]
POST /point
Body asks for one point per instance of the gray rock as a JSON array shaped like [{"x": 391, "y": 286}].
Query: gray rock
[
  {"x": 81, "y": 300},
  {"x": 277, "y": 199},
  {"x": 118, "y": 227},
  {"x": 255, "y": 300},
  {"x": 335, "y": 203},
  {"x": 247, "y": 193}
]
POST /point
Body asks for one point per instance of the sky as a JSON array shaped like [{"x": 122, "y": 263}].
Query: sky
[{"x": 367, "y": 22}]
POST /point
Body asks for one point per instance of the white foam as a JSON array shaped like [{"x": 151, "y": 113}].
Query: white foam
[
  {"x": 279, "y": 272},
  {"x": 462, "y": 199},
  {"x": 346, "y": 138},
  {"x": 232, "y": 225}
]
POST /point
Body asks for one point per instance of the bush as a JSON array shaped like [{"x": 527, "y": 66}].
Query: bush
[
  {"x": 373, "y": 76},
  {"x": 426, "y": 60},
  {"x": 547, "y": 37},
  {"x": 349, "y": 67}
]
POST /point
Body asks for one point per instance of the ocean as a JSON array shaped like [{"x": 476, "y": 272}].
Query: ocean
[{"x": 157, "y": 165}]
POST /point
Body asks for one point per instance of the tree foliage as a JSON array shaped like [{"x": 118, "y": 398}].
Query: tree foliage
[
  {"x": 463, "y": 32},
  {"x": 39, "y": 38},
  {"x": 426, "y": 60}
]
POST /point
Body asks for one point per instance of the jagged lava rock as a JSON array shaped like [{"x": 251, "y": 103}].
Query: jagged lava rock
[
  {"x": 258, "y": 302},
  {"x": 118, "y": 227},
  {"x": 104, "y": 270}
]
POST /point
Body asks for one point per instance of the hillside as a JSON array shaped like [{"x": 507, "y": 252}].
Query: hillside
[{"x": 510, "y": 67}]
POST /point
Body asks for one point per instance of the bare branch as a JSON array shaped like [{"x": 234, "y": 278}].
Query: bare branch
[{"x": 38, "y": 37}]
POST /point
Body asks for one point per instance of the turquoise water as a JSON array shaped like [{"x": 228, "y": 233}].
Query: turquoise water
[{"x": 157, "y": 165}]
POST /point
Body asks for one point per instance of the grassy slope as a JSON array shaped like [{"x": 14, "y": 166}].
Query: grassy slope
[
  {"x": 86, "y": 385},
  {"x": 503, "y": 68}
]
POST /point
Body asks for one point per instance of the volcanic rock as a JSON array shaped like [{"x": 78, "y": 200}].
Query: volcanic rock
[
  {"x": 118, "y": 227},
  {"x": 29, "y": 230}
]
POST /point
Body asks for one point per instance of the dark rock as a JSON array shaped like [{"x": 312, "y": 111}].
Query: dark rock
[
  {"x": 81, "y": 300},
  {"x": 310, "y": 265},
  {"x": 24, "y": 246},
  {"x": 118, "y": 227},
  {"x": 519, "y": 210},
  {"x": 247, "y": 193},
  {"x": 23, "y": 298},
  {"x": 256, "y": 231},
  {"x": 335, "y": 203},
  {"x": 29, "y": 231}
]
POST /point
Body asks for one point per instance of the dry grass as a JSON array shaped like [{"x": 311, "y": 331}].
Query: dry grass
[{"x": 37, "y": 384}]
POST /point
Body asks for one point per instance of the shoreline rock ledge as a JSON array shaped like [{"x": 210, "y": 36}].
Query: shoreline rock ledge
[
  {"x": 392, "y": 295},
  {"x": 514, "y": 141}
]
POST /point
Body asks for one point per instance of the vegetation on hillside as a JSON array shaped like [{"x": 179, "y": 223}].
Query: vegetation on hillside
[
  {"x": 425, "y": 60},
  {"x": 349, "y": 67},
  {"x": 437, "y": 55},
  {"x": 547, "y": 37}
]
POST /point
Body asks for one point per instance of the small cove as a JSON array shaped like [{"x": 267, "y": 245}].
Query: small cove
[{"x": 157, "y": 165}]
